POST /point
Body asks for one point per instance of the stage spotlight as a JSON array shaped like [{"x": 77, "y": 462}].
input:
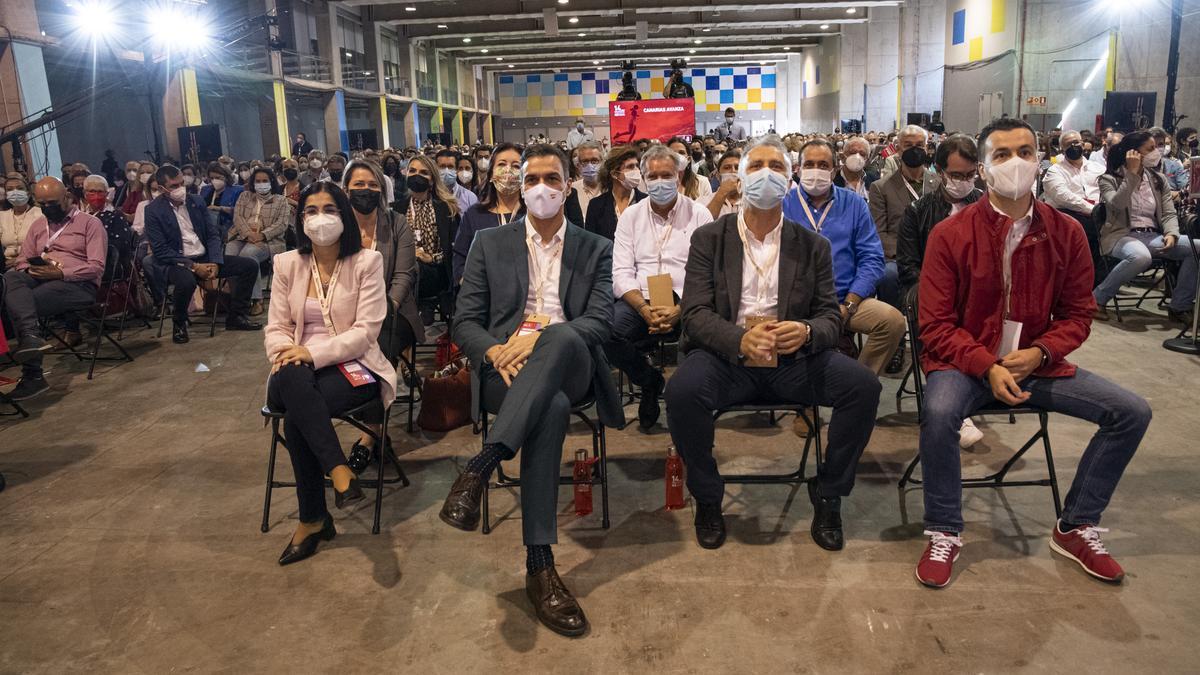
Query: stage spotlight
[
  {"x": 179, "y": 32},
  {"x": 93, "y": 19}
]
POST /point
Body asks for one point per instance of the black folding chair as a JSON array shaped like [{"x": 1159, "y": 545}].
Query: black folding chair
[
  {"x": 997, "y": 479},
  {"x": 168, "y": 288},
  {"x": 656, "y": 346},
  {"x": 354, "y": 419},
  {"x": 1158, "y": 275},
  {"x": 97, "y": 318},
  {"x": 599, "y": 474},
  {"x": 811, "y": 444}
]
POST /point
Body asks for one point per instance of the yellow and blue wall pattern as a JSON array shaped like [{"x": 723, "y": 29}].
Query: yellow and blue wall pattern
[
  {"x": 588, "y": 93},
  {"x": 979, "y": 29}
]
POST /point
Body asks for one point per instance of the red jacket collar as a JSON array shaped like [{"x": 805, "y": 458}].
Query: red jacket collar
[{"x": 997, "y": 222}]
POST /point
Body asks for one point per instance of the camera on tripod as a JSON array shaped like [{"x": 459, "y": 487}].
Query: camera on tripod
[
  {"x": 629, "y": 90},
  {"x": 676, "y": 87}
]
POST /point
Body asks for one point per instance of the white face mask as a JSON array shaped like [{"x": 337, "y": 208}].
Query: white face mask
[
  {"x": 189, "y": 180},
  {"x": 314, "y": 164},
  {"x": 815, "y": 182},
  {"x": 465, "y": 176},
  {"x": 144, "y": 178},
  {"x": 245, "y": 175},
  {"x": 957, "y": 189},
  {"x": 1011, "y": 179},
  {"x": 131, "y": 175},
  {"x": 263, "y": 188},
  {"x": 218, "y": 184},
  {"x": 855, "y": 162},
  {"x": 1153, "y": 158},
  {"x": 483, "y": 164},
  {"x": 631, "y": 178},
  {"x": 543, "y": 201},
  {"x": 324, "y": 229},
  {"x": 178, "y": 194}
]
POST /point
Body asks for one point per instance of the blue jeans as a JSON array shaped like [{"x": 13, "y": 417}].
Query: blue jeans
[
  {"x": 1135, "y": 251},
  {"x": 951, "y": 395},
  {"x": 888, "y": 288},
  {"x": 259, "y": 252}
]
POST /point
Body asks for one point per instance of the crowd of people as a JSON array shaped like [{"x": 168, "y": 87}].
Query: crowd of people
[{"x": 783, "y": 267}]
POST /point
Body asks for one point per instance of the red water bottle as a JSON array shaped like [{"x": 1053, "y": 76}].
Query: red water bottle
[
  {"x": 674, "y": 480},
  {"x": 583, "y": 483}
]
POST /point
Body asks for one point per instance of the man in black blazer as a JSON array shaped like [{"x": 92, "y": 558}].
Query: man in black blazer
[
  {"x": 184, "y": 248},
  {"x": 761, "y": 323},
  {"x": 533, "y": 314}
]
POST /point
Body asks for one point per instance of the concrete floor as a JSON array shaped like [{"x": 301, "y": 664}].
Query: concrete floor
[{"x": 129, "y": 542}]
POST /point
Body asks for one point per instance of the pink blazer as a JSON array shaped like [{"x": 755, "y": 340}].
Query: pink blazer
[{"x": 359, "y": 307}]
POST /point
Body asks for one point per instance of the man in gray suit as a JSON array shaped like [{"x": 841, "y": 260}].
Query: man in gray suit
[
  {"x": 533, "y": 314},
  {"x": 761, "y": 323}
]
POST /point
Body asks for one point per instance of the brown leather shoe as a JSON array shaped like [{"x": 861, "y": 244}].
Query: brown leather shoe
[
  {"x": 556, "y": 608},
  {"x": 72, "y": 338},
  {"x": 461, "y": 508}
]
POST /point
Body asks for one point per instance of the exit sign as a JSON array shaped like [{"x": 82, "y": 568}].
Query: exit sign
[{"x": 1036, "y": 100}]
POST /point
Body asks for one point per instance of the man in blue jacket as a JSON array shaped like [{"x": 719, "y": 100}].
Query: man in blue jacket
[
  {"x": 184, "y": 247},
  {"x": 842, "y": 217}
]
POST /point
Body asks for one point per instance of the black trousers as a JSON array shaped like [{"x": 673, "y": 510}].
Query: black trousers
[
  {"x": 533, "y": 415},
  {"x": 308, "y": 400},
  {"x": 243, "y": 271},
  {"x": 704, "y": 383},
  {"x": 28, "y": 299},
  {"x": 628, "y": 330},
  {"x": 1093, "y": 238}
]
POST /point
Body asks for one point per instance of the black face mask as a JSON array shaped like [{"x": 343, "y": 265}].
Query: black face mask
[
  {"x": 291, "y": 174},
  {"x": 336, "y": 175},
  {"x": 54, "y": 212},
  {"x": 418, "y": 183},
  {"x": 365, "y": 200},
  {"x": 914, "y": 157},
  {"x": 1194, "y": 143},
  {"x": 1073, "y": 152}
]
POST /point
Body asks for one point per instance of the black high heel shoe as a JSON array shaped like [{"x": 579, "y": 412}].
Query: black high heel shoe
[
  {"x": 352, "y": 494},
  {"x": 360, "y": 457},
  {"x": 308, "y": 546}
]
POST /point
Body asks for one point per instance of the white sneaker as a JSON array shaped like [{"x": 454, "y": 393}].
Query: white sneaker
[{"x": 968, "y": 434}]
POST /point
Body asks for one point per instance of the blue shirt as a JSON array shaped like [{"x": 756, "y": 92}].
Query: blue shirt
[
  {"x": 229, "y": 197},
  {"x": 466, "y": 199},
  {"x": 857, "y": 252}
]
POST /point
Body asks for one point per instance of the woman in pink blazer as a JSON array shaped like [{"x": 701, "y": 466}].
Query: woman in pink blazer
[{"x": 327, "y": 305}]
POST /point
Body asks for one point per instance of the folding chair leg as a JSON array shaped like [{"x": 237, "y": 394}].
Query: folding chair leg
[
  {"x": 381, "y": 444},
  {"x": 162, "y": 313},
  {"x": 908, "y": 472},
  {"x": 483, "y": 511},
  {"x": 212, "y": 320},
  {"x": 599, "y": 441},
  {"x": 270, "y": 472},
  {"x": 1043, "y": 418}
]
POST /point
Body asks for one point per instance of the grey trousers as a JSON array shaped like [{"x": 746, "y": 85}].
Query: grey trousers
[
  {"x": 533, "y": 415},
  {"x": 26, "y": 299}
]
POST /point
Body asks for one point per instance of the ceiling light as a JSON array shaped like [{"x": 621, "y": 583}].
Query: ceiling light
[
  {"x": 93, "y": 19},
  {"x": 762, "y": 63},
  {"x": 705, "y": 30},
  {"x": 851, "y": 10},
  {"x": 483, "y": 51},
  {"x": 510, "y": 65},
  {"x": 697, "y": 41},
  {"x": 410, "y": 8},
  {"x": 563, "y": 2},
  {"x": 573, "y": 19},
  {"x": 499, "y": 58},
  {"x": 442, "y": 25},
  {"x": 466, "y": 39},
  {"x": 824, "y": 26},
  {"x": 787, "y": 49},
  {"x": 691, "y": 51},
  {"x": 595, "y": 62}
]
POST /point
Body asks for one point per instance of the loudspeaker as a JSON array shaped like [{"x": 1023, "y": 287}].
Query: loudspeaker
[
  {"x": 200, "y": 144},
  {"x": 1127, "y": 111},
  {"x": 919, "y": 119}
]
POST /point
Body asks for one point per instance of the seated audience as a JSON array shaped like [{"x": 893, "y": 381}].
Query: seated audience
[
  {"x": 651, "y": 240},
  {"x": 58, "y": 269},
  {"x": 587, "y": 160},
  {"x": 841, "y": 216},
  {"x": 185, "y": 249},
  {"x": 432, "y": 212},
  {"x": 854, "y": 175},
  {"x": 619, "y": 181},
  {"x": 999, "y": 314},
  {"x": 138, "y": 190},
  {"x": 499, "y": 202},
  {"x": 447, "y": 163},
  {"x": 1071, "y": 184},
  {"x": 1141, "y": 224},
  {"x": 327, "y": 305},
  {"x": 220, "y": 196},
  {"x": 727, "y": 198},
  {"x": 260, "y": 221},
  {"x": 1177, "y": 176},
  {"x": 773, "y": 337},
  {"x": 534, "y": 311},
  {"x": 16, "y": 221},
  {"x": 693, "y": 186},
  {"x": 315, "y": 169}
]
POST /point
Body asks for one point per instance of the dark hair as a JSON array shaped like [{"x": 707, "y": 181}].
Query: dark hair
[
  {"x": 487, "y": 195},
  {"x": 616, "y": 157},
  {"x": 1005, "y": 124},
  {"x": 478, "y": 149},
  {"x": 185, "y": 167},
  {"x": 730, "y": 110},
  {"x": 547, "y": 150},
  {"x": 1116, "y": 156},
  {"x": 351, "y": 240},
  {"x": 691, "y": 182},
  {"x": 821, "y": 142},
  {"x": 217, "y": 167},
  {"x": 448, "y": 153},
  {"x": 165, "y": 173},
  {"x": 729, "y": 154},
  {"x": 957, "y": 144},
  {"x": 275, "y": 189},
  {"x": 302, "y": 135}
]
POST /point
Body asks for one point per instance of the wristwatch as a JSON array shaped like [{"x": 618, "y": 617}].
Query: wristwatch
[
  {"x": 851, "y": 307},
  {"x": 807, "y": 333}
]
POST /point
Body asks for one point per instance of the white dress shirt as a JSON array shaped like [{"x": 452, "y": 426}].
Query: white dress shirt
[
  {"x": 585, "y": 195},
  {"x": 465, "y": 198},
  {"x": 192, "y": 246},
  {"x": 641, "y": 233},
  {"x": 1016, "y": 234},
  {"x": 1071, "y": 189},
  {"x": 760, "y": 290},
  {"x": 545, "y": 267}
]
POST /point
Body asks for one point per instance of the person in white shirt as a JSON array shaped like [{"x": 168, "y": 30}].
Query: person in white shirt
[
  {"x": 15, "y": 222},
  {"x": 579, "y": 135},
  {"x": 588, "y": 157},
  {"x": 447, "y": 163},
  {"x": 652, "y": 240},
  {"x": 1071, "y": 183}
]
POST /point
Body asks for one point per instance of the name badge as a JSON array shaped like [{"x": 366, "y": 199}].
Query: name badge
[
  {"x": 533, "y": 323},
  {"x": 662, "y": 294},
  {"x": 356, "y": 374},
  {"x": 1011, "y": 339},
  {"x": 751, "y": 322}
]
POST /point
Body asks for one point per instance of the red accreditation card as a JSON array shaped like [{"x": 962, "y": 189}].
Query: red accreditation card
[{"x": 356, "y": 374}]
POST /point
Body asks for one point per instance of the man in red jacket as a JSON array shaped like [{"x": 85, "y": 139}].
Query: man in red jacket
[{"x": 1005, "y": 298}]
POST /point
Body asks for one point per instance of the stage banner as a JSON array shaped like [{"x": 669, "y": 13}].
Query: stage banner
[{"x": 654, "y": 119}]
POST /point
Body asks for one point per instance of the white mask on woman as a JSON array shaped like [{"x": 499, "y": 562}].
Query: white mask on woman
[{"x": 324, "y": 229}]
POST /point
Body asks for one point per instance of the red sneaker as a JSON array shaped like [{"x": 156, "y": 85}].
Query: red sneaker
[
  {"x": 937, "y": 563},
  {"x": 1083, "y": 545}
]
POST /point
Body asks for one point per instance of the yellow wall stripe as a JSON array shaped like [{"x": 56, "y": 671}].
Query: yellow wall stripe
[
  {"x": 385, "y": 139},
  {"x": 998, "y": 15},
  {"x": 190, "y": 93},
  {"x": 281, "y": 120}
]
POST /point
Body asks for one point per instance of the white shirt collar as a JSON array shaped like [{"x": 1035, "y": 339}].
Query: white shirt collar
[
  {"x": 532, "y": 233},
  {"x": 1026, "y": 219}
]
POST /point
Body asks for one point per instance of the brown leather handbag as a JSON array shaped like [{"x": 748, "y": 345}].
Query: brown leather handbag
[{"x": 446, "y": 398}]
